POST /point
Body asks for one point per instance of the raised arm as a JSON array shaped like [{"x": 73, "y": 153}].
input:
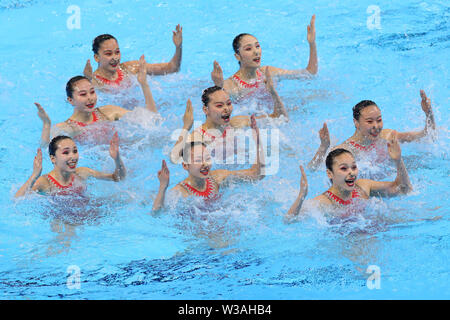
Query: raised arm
[
  {"x": 278, "y": 106},
  {"x": 166, "y": 67},
  {"x": 87, "y": 72},
  {"x": 297, "y": 205},
  {"x": 252, "y": 174},
  {"x": 163, "y": 177},
  {"x": 188, "y": 120},
  {"x": 401, "y": 184},
  {"x": 318, "y": 158},
  {"x": 119, "y": 172},
  {"x": 312, "y": 66},
  {"x": 45, "y": 136},
  {"x": 142, "y": 78},
  {"x": 217, "y": 75},
  {"x": 429, "y": 122},
  {"x": 37, "y": 170}
]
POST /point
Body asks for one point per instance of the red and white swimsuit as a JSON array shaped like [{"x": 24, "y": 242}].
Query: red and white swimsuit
[
  {"x": 98, "y": 134},
  {"x": 335, "y": 198},
  {"x": 379, "y": 151},
  {"x": 210, "y": 193},
  {"x": 120, "y": 77},
  {"x": 351, "y": 206},
  {"x": 66, "y": 190},
  {"x": 255, "y": 89}
]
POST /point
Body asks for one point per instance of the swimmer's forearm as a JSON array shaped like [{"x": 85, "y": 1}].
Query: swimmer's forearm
[
  {"x": 175, "y": 154},
  {"x": 313, "y": 62},
  {"x": 149, "y": 101},
  {"x": 45, "y": 136},
  {"x": 27, "y": 186},
  {"x": 402, "y": 182},
  {"x": 295, "y": 208},
  {"x": 318, "y": 157},
  {"x": 429, "y": 122},
  {"x": 278, "y": 106},
  {"x": 159, "y": 200},
  {"x": 175, "y": 64},
  {"x": 120, "y": 172}
]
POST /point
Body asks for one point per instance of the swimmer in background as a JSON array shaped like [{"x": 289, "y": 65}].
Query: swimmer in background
[
  {"x": 369, "y": 134},
  {"x": 82, "y": 96},
  {"x": 202, "y": 182},
  {"x": 341, "y": 199},
  {"x": 113, "y": 74},
  {"x": 249, "y": 77},
  {"x": 66, "y": 178},
  {"x": 218, "y": 107}
]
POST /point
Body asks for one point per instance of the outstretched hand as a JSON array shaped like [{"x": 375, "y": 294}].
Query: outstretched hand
[
  {"x": 88, "y": 70},
  {"x": 37, "y": 164},
  {"x": 188, "y": 118},
  {"x": 164, "y": 175},
  {"x": 114, "y": 146},
  {"x": 394, "y": 149},
  {"x": 426, "y": 103},
  {"x": 178, "y": 36},
  {"x": 217, "y": 75},
  {"x": 42, "y": 114},
  {"x": 142, "y": 71},
  {"x": 311, "y": 30},
  {"x": 324, "y": 135},
  {"x": 303, "y": 183}
]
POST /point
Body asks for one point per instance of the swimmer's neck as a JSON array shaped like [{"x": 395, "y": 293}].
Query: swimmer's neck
[
  {"x": 211, "y": 125},
  {"x": 360, "y": 139},
  {"x": 247, "y": 73},
  {"x": 62, "y": 176},
  {"x": 105, "y": 73},
  {"x": 340, "y": 192},
  {"x": 82, "y": 116},
  {"x": 197, "y": 183}
]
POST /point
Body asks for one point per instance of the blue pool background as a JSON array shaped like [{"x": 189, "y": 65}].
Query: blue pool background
[{"x": 125, "y": 253}]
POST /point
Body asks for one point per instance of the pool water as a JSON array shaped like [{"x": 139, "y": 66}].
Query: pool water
[{"x": 240, "y": 248}]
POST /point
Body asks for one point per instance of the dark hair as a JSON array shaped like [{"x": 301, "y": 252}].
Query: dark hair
[
  {"x": 99, "y": 40},
  {"x": 71, "y": 82},
  {"x": 54, "y": 144},
  {"x": 186, "y": 151},
  {"x": 207, "y": 92},
  {"x": 237, "y": 41},
  {"x": 333, "y": 154},
  {"x": 361, "y": 105}
]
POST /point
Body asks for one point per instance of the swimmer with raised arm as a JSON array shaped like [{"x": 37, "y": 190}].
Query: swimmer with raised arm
[
  {"x": 82, "y": 96},
  {"x": 113, "y": 74},
  {"x": 249, "y": 77},
  {"x": 66, "y": 178},
  {"x": 218, "y": 107},
  {"x": 202, "y": 182},
  {"x": 340, "y": 200},
  {"x": 369, "y": 134}
]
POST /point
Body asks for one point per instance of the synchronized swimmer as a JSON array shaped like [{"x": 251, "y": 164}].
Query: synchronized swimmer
[
  {"x": 249, "y": 78},
  {"x": 341, "y": 200},
  {"x": 113, "y": 74},
  {"x": 369, "y": 133},
  {"x": 82, "y": 96}
]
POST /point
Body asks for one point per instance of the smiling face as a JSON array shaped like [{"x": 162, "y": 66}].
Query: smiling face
[
  {"x": 84, "y": 96},
  {"x": 66, "y": 156},
  {"x": 200, "y": 162},
  {"x": 344, "y": 172},
  {"x": 219, "y": 108},
  {"x": 249, "y": 54},
  {"x": 370, "y": 122},
  {"x": 108, "y": 56}
]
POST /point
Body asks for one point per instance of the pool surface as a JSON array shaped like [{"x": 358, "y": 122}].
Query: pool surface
[{"x": 240, "y": 248}]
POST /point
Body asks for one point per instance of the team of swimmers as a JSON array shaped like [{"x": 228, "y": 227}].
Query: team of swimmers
[{"x": 345, "y": 195}]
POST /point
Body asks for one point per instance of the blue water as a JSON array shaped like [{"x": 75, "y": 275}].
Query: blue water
[{"x": 241, "y": 250}]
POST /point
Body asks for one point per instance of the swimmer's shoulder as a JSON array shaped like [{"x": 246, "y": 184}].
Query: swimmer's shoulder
[
  {"x": 364, "y": 185},
  {"x": 42, "y": 185},
  {"x": 180, "y": 189},
  {"x": 112, "y": 112},
  {"x": 322, "y": 200},
  {"x": 385, "y": 133}
]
